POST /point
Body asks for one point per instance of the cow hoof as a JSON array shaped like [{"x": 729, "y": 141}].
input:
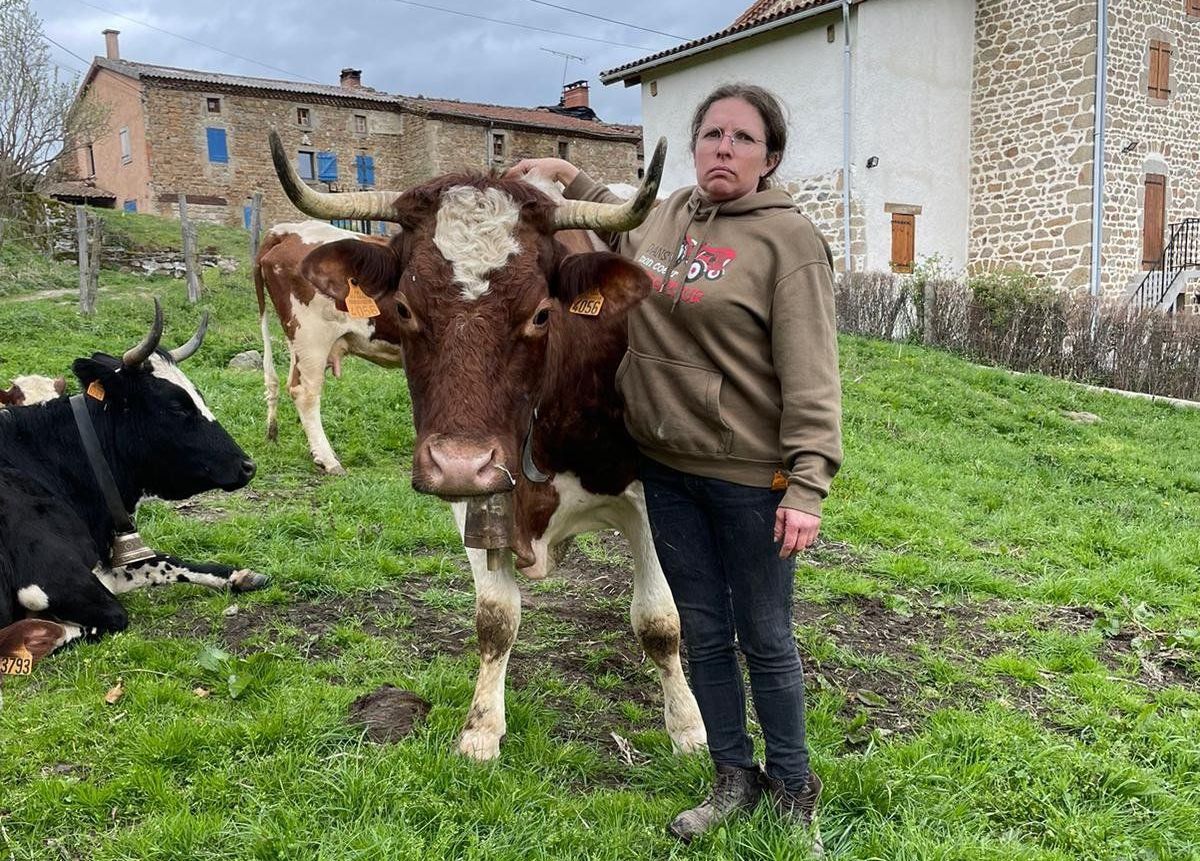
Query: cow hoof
[
  {"x": 336, "y": 469},
  {"x": 479, "y": 745},
  {"x": 272, "y": 432},
  {"x": 246, "y": 580},
  {"x": 690, "y": 740}
]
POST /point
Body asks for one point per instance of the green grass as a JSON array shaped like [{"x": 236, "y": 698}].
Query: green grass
[{"x": 1000, "y": 629}]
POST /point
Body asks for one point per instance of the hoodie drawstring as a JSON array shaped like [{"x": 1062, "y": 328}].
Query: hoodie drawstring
[{"x": 691, "y": 259}]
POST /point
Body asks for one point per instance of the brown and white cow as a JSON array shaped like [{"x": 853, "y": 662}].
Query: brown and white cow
[
  {"x": 318, "y": 333},
  {"x": 512, "y": 328}
]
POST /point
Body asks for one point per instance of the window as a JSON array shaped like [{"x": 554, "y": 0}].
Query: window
[
  {"x": 303, "y": 117},
  {"x": 903, "y": 235},
  {"x": 564, "y": 150},
  {"x": 130, "y": 206},
  {"x": 126, "y": 152},
  {"x": 360, "y": 122},
  {"x": 218, "y": 152},
  {"x": 1160, "y": 70},
  {"x": 497, "y": 145},
  {"x": 327, "y": 167},
  {"x": 89, "y": 160},
  {"x": 214, "y": 105},
  {"x": 364, "y": 168},
  {"x": 306, "y": 164}
]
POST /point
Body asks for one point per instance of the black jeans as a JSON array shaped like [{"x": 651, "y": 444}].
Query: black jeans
[{"x": 717, "y": 548}]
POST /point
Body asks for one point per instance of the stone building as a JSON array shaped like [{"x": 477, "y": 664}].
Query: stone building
[
  {"x": 965, "y": 128},
  {"x": 204, "y": 134}
]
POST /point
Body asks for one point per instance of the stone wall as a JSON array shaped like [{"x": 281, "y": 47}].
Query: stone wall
[
  {"x": 820, "y": 198},
  {"x": 1160, "y": 137},
  {"x": 1031, "y": 123}
]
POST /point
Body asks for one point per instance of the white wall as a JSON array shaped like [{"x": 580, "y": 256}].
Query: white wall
[
  {"x": 912, "y": 109},
  {"x": 799, "y": 66}
]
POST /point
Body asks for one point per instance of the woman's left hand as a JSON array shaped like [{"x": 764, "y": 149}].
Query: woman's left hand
[{"x": 795, "y": 530}]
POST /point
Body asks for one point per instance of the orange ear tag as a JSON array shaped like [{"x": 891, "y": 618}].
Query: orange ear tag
[
  {"x": 779, "y": 481},
  {"x": 359, "y": 304},
  {"x": 588, "y": 304},
  {"x": 20, "y": 663},
  {"x": 95, "y": 390}
]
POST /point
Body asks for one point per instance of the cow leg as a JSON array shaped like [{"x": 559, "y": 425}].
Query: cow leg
[
  {"x": 656, "y": 623},
  {"x": 270, "y": 381},
  {"x": 309, "y": 356},
  {"x": 167, "y": 569},
  {"x": 497, "y": 618},
  {"x": 75, "y": 595}
]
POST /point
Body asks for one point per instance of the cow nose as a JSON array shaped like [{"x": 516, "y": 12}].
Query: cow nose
[
  {"x": 454, "y": 467},
  {"x": 249, "y": 469}
]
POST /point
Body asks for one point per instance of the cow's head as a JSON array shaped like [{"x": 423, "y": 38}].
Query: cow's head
[
  {"x": 478, "y": 281},
  {"x": 158, "y": 425}
]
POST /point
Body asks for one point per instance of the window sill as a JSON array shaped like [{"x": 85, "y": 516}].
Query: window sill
[
  {"x": 124, "y": 160},
  {"x": 1155, "y": 102}
]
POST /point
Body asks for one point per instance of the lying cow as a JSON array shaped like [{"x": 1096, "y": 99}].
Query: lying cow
[
  {"x": 512, "y": 328},
  {"x": 12, "y": 396},
  {"x": 318, "y": 334},
  {"x": 32, "y": 389},
  {"x": 155, "y": 435}
]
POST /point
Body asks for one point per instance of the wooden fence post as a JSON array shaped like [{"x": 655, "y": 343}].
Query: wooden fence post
[
  {"x": 255, "y": 225},
  {"x": 189, "y": 251},
  {"x": 927, "y": 306},
  {"x": 85, "y": 280},
  {"x": 95, "y": 247}
]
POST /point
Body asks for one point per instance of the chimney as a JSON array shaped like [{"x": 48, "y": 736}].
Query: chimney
[
  {"x": 575, "y": 95},
  {"x": 110, "y": 44},
  {"x": 351, "y": 78}
]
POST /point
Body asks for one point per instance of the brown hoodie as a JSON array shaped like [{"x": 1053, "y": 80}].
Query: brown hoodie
[{"x": 736, "y": 376}]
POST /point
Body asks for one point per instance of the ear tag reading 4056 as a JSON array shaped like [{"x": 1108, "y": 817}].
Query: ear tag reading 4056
[
  {"x": 588, "y": 304},
  {"x": 95, "y": 390},
  {"x": 359, "y": 304},
  {"x": 20, "y": 663}
]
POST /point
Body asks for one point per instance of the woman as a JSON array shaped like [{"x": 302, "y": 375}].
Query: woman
[{"x": 732, "y": 393}]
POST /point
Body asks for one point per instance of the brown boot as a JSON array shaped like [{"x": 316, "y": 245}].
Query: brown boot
[
  {"x": 799, "y": 807},
  {"x": 735, "y": 790}
]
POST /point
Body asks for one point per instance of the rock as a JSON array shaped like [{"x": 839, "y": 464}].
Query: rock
[
  {"x": 251, "y": 360},
  {"x": 1081, "y": 417},
  {"x": 388, "y": 713}
]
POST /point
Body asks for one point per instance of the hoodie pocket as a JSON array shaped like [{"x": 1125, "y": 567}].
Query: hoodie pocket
[{"x": 673, "y": 407}]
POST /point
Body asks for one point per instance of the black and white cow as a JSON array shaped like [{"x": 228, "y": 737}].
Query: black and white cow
[{"x": 157, "y": 436}]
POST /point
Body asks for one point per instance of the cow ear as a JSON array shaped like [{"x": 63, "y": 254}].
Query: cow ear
[
  {"x": 375, "y": 269},
  {"x": 622, "y": 283},
  {"x": 35, "y": 636},
  {"x": 103, "y": 370}
]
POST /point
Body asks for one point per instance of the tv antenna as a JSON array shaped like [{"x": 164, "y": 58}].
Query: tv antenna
[{"x": 567, "y": 58}]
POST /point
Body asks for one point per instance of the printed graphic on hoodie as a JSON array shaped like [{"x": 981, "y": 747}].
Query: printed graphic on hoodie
[{"x": 710, "y": 264}]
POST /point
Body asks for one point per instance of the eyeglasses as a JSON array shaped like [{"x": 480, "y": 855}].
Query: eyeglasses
[{"x": 741, "y": 141}]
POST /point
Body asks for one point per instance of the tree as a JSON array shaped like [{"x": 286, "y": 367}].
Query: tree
[{"x": 38, "y": 109}]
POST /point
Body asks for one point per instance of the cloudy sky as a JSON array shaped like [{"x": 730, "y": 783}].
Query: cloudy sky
[{"x": 410, "y": 48}]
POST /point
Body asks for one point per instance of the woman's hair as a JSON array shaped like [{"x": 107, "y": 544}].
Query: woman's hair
[{"x": 769, "y": 109}]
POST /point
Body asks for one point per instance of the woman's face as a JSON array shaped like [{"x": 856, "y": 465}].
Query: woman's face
[{"x": 731, "y": 150}]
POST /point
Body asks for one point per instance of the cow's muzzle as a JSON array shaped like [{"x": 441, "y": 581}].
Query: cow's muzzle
[{"x": 454, "y": 468}]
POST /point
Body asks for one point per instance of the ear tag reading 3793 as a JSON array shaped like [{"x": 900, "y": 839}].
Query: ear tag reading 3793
[
  {"x": 20, "y": 663},
  {"x": 588, "y": 304},
  {"x": 359, "y": 304}
]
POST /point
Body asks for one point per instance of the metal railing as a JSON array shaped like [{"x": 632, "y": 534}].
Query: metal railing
[{"x": 1181, "y": 252}]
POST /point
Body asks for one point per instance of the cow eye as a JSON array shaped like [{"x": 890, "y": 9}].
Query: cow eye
[
  {"x": 404, "y": 311},
  {"x": 542, "y": 317}
]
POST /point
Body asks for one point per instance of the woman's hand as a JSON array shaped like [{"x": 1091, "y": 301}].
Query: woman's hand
[
  {"x": 794, "y": 530},
  {"x": 554, "y": 169}
]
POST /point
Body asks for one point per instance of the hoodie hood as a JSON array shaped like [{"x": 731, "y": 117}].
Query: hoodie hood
[{"x": 766, "y": 202}]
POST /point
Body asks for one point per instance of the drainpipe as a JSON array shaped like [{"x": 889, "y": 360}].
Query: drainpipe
[
  {"x": 1101, "y": 103},
  {"x": 846, "y": 265}
]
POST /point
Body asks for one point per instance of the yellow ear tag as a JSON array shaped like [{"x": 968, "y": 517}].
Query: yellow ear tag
[
  {"x": 95, "y": 390},
  {"x": 19, "y": 663},
  {"x": 359, "y": 304},
  {"x": 779, "y": 481},
  {"x": 588, "y": 304}
]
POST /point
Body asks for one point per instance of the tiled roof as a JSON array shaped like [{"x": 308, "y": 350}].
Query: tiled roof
[
  {"x": 538, "y": 117},
  {"x": 541, "y": 117},
  {"x": 77, "y": 188},
  {"x": 757, "y": 14}
]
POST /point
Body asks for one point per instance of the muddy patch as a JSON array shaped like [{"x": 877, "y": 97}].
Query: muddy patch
[{"x": 388, "y": 714}]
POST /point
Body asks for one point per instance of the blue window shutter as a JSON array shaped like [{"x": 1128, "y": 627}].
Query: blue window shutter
[
  {"x": 326, "y": 167},
  {"x": 130, "y": 206},
  {"x": 218, "y": 152},
  {"x": 364, "y": 165},
  {"x": 304, "y": 161},
  {"x": 246, "y": 217}
]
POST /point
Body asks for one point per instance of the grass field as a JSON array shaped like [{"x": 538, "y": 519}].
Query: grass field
[{"x": 1001, "y": 628}]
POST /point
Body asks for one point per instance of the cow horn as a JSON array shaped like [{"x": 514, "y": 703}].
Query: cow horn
[
  {"x": 372, "y": 205},
  {"x": 149, "y": 344},
  {"x": 189, "y": 349},
  {"x": 615, "y": 217}
]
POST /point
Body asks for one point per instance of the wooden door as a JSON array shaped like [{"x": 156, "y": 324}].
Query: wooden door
[
  {"x": 1154, "y": 219},
  {"x": 903, "y": 242}
]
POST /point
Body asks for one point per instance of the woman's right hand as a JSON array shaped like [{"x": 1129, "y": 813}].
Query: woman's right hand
[{"x": 554, "y": 169}]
